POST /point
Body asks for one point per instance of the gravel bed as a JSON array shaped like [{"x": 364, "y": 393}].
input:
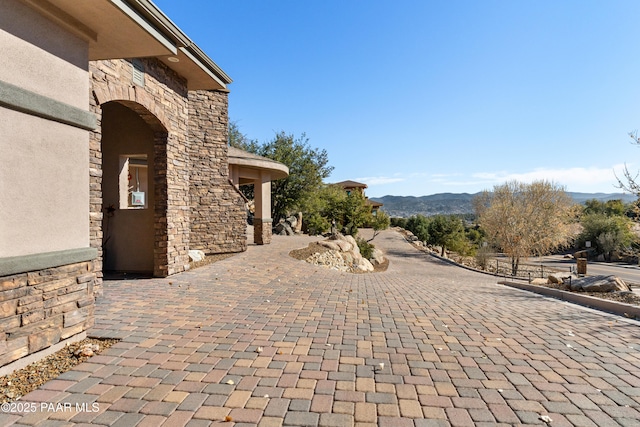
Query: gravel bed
[{"x": 24, "y": 381}]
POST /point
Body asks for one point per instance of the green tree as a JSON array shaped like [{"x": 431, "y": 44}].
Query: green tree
[
  {"x": 609, "y": 208},
  {"x": 239, "y": 140},
  {"x": 381, "y": 221},
  {"x": 399, "y": 222},
  {"x": 446, "y": 231},
  {"x": 605, "y": 232},
  {"x": 525, "y": 219},
  {"x": 356, "y": 213},
  {"x": 419, "y": 226},
  {"x": 323, "y": 207},
  {"x": 307, "y": 168},
  {"x": 330, "y": 203}
]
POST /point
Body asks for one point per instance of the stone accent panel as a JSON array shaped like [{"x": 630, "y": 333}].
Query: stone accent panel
[
  {"x": 41, "y": 308},
  {"x": 262, "y": 230},
  {"x": 218, "y": 211},
  {"x": 163, "y": 104}
]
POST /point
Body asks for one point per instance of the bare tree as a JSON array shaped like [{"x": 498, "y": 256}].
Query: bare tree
[
  {"x": 629, "y": 181},
  {"x": 525, "y": 219}
]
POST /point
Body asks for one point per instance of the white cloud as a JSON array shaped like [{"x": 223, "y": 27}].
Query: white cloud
[
  {"x": 571, "y": 178},
  {"x": 575, "y": 179},
  {"x": 379, "y": 180}
]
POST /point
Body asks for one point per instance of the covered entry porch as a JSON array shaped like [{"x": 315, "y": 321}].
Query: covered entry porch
[{"x": 248, "y": 168}]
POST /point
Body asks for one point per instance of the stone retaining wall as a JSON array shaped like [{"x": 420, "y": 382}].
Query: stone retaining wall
[{"x": 41, "y": 308}]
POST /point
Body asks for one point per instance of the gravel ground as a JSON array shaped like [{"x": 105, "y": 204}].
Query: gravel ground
[{"x": 24, "y": 381}]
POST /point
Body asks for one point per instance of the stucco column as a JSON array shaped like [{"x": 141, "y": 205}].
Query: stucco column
[{"x": 262, "y": 221}]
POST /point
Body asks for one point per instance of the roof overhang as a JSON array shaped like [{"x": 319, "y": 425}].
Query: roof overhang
[
  {"x": 250, "y": 166},
  {"x": 120, "y": 29}
]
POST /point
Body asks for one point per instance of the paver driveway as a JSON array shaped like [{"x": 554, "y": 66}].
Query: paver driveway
[{"x": 457, "y": 350}]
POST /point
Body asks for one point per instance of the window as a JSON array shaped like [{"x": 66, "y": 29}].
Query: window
[{"x": 134, "y": 182}]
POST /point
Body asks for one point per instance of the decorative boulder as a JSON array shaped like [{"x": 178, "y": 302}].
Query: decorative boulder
[
  {"x": 562, "y": 278},
  {"x": 377, "y": 257},
  {"x": 196, "y": 255},
  {"x": 346, "y": 248},
  {"x": 331, "y": 244},
  {"x": 364, "y": 265},
  {"x": 539, "y": 281},
  {"x": 283, "y": 229},
  {"x": 599, "y": 284}
]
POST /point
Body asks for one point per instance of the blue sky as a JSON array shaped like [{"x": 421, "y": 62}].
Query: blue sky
[{"x": 422, "y": 97}]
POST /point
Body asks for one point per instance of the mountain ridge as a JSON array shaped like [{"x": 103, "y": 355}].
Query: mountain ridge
[{"x": 462, "y": 203}]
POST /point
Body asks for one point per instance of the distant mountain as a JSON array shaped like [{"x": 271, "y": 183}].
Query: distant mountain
[{"x": 462, "y": 203}]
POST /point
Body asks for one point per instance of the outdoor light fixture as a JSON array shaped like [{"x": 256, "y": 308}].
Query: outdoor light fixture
[{"x": 173, "y": 59}]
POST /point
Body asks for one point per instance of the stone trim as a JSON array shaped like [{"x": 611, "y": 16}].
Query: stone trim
[
  {"x": 218, "y": 214},
  {"x": 39, "y": 355},
  {"x": 25, "y": 101},
  {"x": 41, "y": 308},
  {"x": 35, "y": 262},
  {"x": 262, "y": 230}
]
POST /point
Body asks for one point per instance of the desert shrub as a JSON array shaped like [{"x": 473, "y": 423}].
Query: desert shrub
[
  {"x": 366, "y": 248},
  {"x": 316, "y": 224},
  {"x": 483, "y": 256},
  {"x": 399, "y": 222}
]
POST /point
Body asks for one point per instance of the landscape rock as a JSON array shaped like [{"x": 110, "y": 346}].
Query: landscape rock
[
  {"x": 283, "y": 229},
  {"x": 599, "y": 284},
  {"x": 196, "y": 255},
  {"x": 364, "y": 265},
  {"x": 329, "y": 244},
  {"x": 344, "y": 245},
  {"x": 377, "y": 257},
  {"x": 539, "y": 281},
  {"x": 331, "y": 259},
  {"x": 298, "y": 227},
  {"x": 562, "y": 278},
  {"x": 344, "y": 255}
]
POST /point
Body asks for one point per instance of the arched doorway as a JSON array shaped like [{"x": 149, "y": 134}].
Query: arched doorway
[{"x": 130, "y": 193}]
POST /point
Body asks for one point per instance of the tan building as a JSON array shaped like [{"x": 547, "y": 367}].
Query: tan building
[
  {"x": 113, "y": 156},
  {"x": 350, "y": 186}
]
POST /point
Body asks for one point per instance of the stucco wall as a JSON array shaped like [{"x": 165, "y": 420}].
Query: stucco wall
[
  {"x": 44, "y": 175},
  {"x": 46, "y": 273},
  {"x": 28, "y": 41},
  {"x": 44, "y": 185}
]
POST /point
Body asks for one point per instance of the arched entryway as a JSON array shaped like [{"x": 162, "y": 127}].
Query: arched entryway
[{"x": 132, "y": 145}]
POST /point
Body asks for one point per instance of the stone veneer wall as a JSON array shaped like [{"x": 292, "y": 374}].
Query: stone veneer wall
[
  {"x": 163, "y": 104},
  {"x": 41, "y": 308},
  {"x": 218, "y": 211}
]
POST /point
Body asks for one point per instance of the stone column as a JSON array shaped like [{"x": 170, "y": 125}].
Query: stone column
[
  {"x": 218, "y": 213},
  {"x": 262, "y": 221}
]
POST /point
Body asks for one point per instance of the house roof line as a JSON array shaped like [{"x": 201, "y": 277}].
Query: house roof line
[{"x": 164, "y": 24}]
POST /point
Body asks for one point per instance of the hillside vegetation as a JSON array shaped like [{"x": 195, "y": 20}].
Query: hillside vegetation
[{"x": 462, "y": 203}]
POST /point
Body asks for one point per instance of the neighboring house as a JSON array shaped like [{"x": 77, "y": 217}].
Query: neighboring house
[
  {"x": 113, "y": 156},
  {"x": 350, "y": 186}
]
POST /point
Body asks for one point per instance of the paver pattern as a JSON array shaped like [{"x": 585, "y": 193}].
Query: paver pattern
[{"x": 422, "y": 344}]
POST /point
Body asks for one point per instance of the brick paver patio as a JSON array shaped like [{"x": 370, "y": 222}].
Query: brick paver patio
[{"x": 422, "y": 344}]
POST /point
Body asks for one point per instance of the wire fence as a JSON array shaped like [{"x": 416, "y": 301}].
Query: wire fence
[{"x": 525, "y": 271}]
